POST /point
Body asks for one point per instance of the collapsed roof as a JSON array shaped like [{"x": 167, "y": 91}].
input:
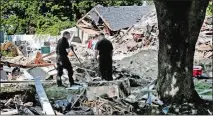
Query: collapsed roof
[{"x": 118, "y": 17}]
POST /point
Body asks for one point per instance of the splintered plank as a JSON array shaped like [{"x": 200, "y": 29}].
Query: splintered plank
[
  {"x": 27, "y": 81},
  {"x": 46, "y": 106},
  {"x": 9, "y": 112}
]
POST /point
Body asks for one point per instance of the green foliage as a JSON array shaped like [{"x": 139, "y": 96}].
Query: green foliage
[
  {"x": 18, "y": 16},
  {"x": 7, "y": 54},
  {"x": 49, "y": 16},
  {"x": 209, "y": 9},
  {"x": 4, "y": 53}
]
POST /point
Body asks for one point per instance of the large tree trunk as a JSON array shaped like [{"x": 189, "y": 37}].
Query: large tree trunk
[{"x": 179, "y": 25}]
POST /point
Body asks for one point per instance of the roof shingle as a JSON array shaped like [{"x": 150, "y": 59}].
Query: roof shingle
[{"x": 119, "y": 17}]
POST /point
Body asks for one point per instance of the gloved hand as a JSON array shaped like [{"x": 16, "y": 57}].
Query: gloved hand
[
  {"x": 71, "y": 47},
  {"x": 95, "y": 59}
]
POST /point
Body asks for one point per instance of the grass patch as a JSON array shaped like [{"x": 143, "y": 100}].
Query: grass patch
[
  {"x": 202, "y": 86},
  {"x": 58, "y": 93}
]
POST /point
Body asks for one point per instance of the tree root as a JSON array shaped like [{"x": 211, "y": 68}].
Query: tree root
[{"x": 196, "y": 98}]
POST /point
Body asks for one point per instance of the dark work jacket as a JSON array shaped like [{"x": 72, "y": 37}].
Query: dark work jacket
[
  {"x": 61, "y": 47},
  {"x": 104, "y": 47}
]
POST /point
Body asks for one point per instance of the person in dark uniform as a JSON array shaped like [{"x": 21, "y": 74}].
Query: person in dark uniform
[
  {"x": 105, "y": 49},
  {"x": 62, "y": 50}
]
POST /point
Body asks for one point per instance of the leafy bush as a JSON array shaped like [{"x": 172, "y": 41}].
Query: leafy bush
[
  {"x": 209, "y": 9},
  {"x": 4, "y": 53},
  {"x": 7, "y": 54},
  {"x": 48, "y": 17}
]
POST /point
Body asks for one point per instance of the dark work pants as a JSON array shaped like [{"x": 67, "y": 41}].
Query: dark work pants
[
  {"x": 64, "y": 63},
  {"x": 105, "y": 67}
]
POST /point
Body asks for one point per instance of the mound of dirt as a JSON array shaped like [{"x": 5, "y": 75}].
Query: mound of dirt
[{"x": 143, "y": 64}]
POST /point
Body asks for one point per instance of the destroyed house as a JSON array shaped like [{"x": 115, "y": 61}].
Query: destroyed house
[{"x": 111, "y": 20}]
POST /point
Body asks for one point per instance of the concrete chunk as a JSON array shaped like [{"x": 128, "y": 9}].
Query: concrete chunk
[
  {"x": 3, "y": 75},
  {"x": 111, "y": 91},
  {"x": 115, "y": 88},
  {"x": 36, "y": 72}
]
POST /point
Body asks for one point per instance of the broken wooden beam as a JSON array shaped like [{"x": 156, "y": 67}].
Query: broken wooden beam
[
  {"x": 49, "y": 54},
  {"x": 28, "y": 81},
  {"x": 46, "y": 106},
  {"x": 86, "y": 23},
  {"x": 8, "y": 102},
  {"x": 9, "y": 111},
  {"x": 27, "y": 66},
  {"x": 125, "y": 33},
  {"x": 78, "y": 98}
]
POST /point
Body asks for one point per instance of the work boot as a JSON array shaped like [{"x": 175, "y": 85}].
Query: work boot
[
  {"x": 59, "y": 82},
  {"x": 71, "y": 84}
]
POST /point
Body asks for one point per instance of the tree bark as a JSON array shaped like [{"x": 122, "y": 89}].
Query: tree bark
[{"x": 179, "y": 25}]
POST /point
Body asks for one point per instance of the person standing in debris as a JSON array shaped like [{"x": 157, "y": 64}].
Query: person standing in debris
[
  {"x": 105, "y": 49},
  {"x": 94, "y": 42},
  {"x": 62, "y": 50},
  {"x": 90, "y": 42}
]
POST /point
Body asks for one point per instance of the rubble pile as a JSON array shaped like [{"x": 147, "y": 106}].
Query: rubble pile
[
  {"x": 83, "y": 52},
  {"x": 99, "y": 98},
  {"x": 143, "y": 64},
  {"x": 131, "y": 92},
  {"x": 9, "y": 49},
  {"x": 142, "y": 35},
  {"x": 204, "y": 43},
  {"x": 18, "y": 60},
  {"x": 19, "y": 100}
]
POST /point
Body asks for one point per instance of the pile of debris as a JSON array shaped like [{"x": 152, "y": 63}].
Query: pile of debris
[
  {"x": 204, "y": 44},
  {"x": 143, "y": 35},
  {"x": 27, "y": 62},
  {"x": 131, "y": 92},
  {"x": 19, "y": 100},
  {"x": 9, "y": 49},
  {"x": 119, "y": 97}
]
